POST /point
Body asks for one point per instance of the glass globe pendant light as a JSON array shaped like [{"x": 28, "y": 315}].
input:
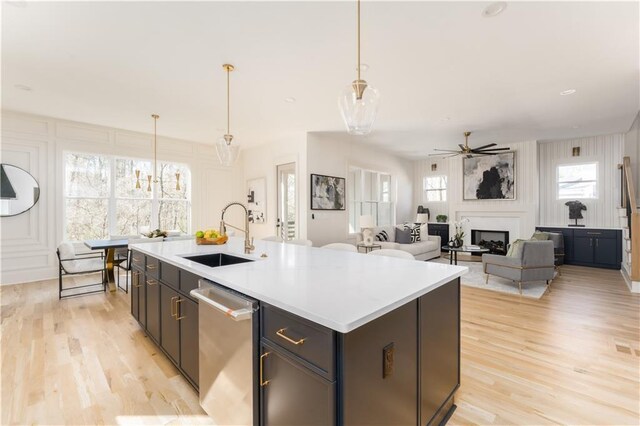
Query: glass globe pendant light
[
  {"x": 359, "y": 101},
  {"x": 227, "y": 153}
]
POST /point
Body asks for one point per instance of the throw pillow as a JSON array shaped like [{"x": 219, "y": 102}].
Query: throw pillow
[
  {"x": 382, "y": 236},
  {"x": 403, "y": 236},
  {"x": 538, "y": 235},
  {"x": 415, "y": 232},
  {"x": 515, "y": 248}
]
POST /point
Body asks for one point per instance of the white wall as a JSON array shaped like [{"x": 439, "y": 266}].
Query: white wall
[
  {"x": 261, "y": 162},
  {"x": 332, "y": 154},
  {"x": 602, "y": 212},
  {"x": 518, "y": 216},
  {"x": 35, "y": 143},
  {"x": 422, "y": 169},
  {"x": 632, "y": 150}
]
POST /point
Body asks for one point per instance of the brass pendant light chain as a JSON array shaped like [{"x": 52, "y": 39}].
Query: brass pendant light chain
[
  {"x": 358, "y": 40},
  {"x": 155, "y": 147},
  {"x": 228, "y": 101},
  {"x": 228, "y": 137}
]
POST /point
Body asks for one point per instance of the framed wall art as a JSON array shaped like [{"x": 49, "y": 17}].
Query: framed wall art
[
  {"x": 490, "y": 177},
  {"x": 327, "y": 192}
]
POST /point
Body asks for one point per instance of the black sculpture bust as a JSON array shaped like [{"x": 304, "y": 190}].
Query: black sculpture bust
[{"x": 575, "y": 211}]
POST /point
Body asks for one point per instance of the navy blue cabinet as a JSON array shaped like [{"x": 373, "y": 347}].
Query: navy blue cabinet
[
  {"x": 440, "y": 229},
  {"x": 599, "y": 248}
]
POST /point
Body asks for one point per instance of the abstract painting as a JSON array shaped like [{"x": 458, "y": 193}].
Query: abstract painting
[
  {"x": 327, "y": 192},
  {"x": 489, "y": 177},
  {"x": 257, "y": 200}
]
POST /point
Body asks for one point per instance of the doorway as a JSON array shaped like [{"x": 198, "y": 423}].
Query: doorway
[{"x": 287, "y": 220}]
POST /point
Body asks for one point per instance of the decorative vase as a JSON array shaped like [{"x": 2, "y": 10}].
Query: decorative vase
[{"x": 457, "y": 242}]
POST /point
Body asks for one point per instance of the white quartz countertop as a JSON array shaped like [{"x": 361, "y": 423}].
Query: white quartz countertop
[{"x": 339, "y": 290}]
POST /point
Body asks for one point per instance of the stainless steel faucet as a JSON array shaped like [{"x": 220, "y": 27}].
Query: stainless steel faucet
[{"x": 248, "y": 241}]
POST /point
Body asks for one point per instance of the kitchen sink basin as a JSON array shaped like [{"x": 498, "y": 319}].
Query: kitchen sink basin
[{"x": 217, "y": 259}]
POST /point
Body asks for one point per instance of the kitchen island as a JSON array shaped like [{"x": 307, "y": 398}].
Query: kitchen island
[{"x": 341, "y": 338}]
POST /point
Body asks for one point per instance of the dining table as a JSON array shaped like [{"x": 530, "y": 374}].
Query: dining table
[{"x": 109, "y": 247}]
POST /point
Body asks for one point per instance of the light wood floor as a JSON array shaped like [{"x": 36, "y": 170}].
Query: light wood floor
[{"x": 572, "y": 357}]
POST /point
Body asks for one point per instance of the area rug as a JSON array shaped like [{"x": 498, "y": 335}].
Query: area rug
[{"x": 476, "y": 278}]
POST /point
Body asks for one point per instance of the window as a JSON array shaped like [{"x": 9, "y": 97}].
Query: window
[
  {"x": 101, "y": 197},
  {"x": 370, "y": 193},
  {"x": 87, "y": 189},
  {"x": 435, "y": 188},
  {"x": 578, "y": 181}
]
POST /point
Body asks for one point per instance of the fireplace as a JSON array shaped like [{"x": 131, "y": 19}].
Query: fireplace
[{"x": 495, "y": 241}]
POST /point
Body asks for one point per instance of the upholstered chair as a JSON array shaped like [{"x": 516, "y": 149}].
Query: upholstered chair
[{"x": 529, "y": 261}]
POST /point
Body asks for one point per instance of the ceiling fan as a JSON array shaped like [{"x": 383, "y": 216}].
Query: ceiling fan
[{"x": 470, "y": 152}]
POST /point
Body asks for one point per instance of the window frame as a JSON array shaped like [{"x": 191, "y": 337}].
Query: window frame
[
  {"x": 581, "y": 162},
  {"x": 444, "y": 190},
  {"x": 112, "y": 198},
  {"x": 374, "y": 203}
]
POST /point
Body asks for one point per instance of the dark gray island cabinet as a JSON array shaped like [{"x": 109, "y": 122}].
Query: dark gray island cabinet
[{"x": 402, "y": 368}]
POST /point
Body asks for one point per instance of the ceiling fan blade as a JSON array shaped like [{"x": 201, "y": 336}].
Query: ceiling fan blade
[
  {"x": 448, "y": 154},
  {"x": 447, "y": 150},
  {"x": 462, "y": 148},
  {"x": 490, "y": 150},
  {"x": 484, "y": 146}
]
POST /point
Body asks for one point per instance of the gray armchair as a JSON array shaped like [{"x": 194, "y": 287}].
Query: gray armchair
[{"x": 532, "y": 261}]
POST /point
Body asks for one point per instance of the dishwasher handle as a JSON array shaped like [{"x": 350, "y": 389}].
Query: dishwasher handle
[{"x": 237, "y": 314}]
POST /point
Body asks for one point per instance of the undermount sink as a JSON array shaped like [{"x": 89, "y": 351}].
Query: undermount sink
[{"x": 217, "y": 259}]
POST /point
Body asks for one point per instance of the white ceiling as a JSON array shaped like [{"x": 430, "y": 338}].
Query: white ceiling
[{"x": 441, "y": 68}]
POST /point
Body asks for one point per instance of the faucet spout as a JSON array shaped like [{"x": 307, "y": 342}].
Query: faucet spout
[{"x": 248, "y": 241}]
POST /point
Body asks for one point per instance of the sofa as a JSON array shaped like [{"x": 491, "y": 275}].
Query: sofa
[{"x": 427, "y": 248}]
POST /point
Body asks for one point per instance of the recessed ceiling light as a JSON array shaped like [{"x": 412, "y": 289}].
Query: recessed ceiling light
[
  {"x": 363, "y": 67},
  {"x": 494, "y": 9},
  {"x": 567, "y": 92},
  {"x": 23, "y": 87},
  {"x": 290, "y": 100},
  {"x": 444, "y": 119},
  {"x": 574, "y": 127}
]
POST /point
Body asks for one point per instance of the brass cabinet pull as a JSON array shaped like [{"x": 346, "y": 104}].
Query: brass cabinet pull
[
  {"x": 136, "y": 275},
  {"x": 178, "y": 318},
  {"x": 596, "y": 242},
  {"x": 152, "y": 282},
  {"x": 280, "y": 333},
  {"x": 174, "y": 313},
  {"x": 594, "y": 233},
  {"x": 152, "y": 266},
  {"x": 590, "y": 242},
  {"x": 136, "y": 259},
  {"x": 262, "y": 381}
]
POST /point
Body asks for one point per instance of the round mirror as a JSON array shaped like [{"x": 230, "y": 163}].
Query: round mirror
[{"x": 19, "y": 191}]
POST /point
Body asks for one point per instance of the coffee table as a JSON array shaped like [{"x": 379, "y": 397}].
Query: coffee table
[
  {"x": 453, "y": 252},
  {"x": 367, "y": 248}
]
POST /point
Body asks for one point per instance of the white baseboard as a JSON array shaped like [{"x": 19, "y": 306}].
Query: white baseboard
[
  {"x": 19, "y": 277},
  {"x": 634, "y": 286}
]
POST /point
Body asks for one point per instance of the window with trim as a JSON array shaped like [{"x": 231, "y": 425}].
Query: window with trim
[
  {"x": 435, "y": 188},
  {"x": 370, "y": 193},
  {"x": 577, "y": 180},
  {"x": 101, "y": 198}
]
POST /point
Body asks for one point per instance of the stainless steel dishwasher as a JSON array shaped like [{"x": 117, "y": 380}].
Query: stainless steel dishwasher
[{"x": 228, "y": 344}]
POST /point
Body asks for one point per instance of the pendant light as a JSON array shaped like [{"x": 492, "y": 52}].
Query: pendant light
[
  {"x": 227, "y": 153},
  {"x": 359, "y": 101},
  {"x": 151, "y": 178}
]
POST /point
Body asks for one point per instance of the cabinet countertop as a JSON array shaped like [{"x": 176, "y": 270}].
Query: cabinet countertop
[
  {"x": 337, "y": 289},
  {"x": 578, "y": 227}
]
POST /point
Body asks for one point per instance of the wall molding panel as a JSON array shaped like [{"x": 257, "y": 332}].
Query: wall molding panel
[
  {"x": 607, "y": 151},
  {"x": 28, "y": 241}
]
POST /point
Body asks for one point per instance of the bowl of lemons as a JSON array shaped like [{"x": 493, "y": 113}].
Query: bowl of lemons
[{"x": 210, "y": 237}]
